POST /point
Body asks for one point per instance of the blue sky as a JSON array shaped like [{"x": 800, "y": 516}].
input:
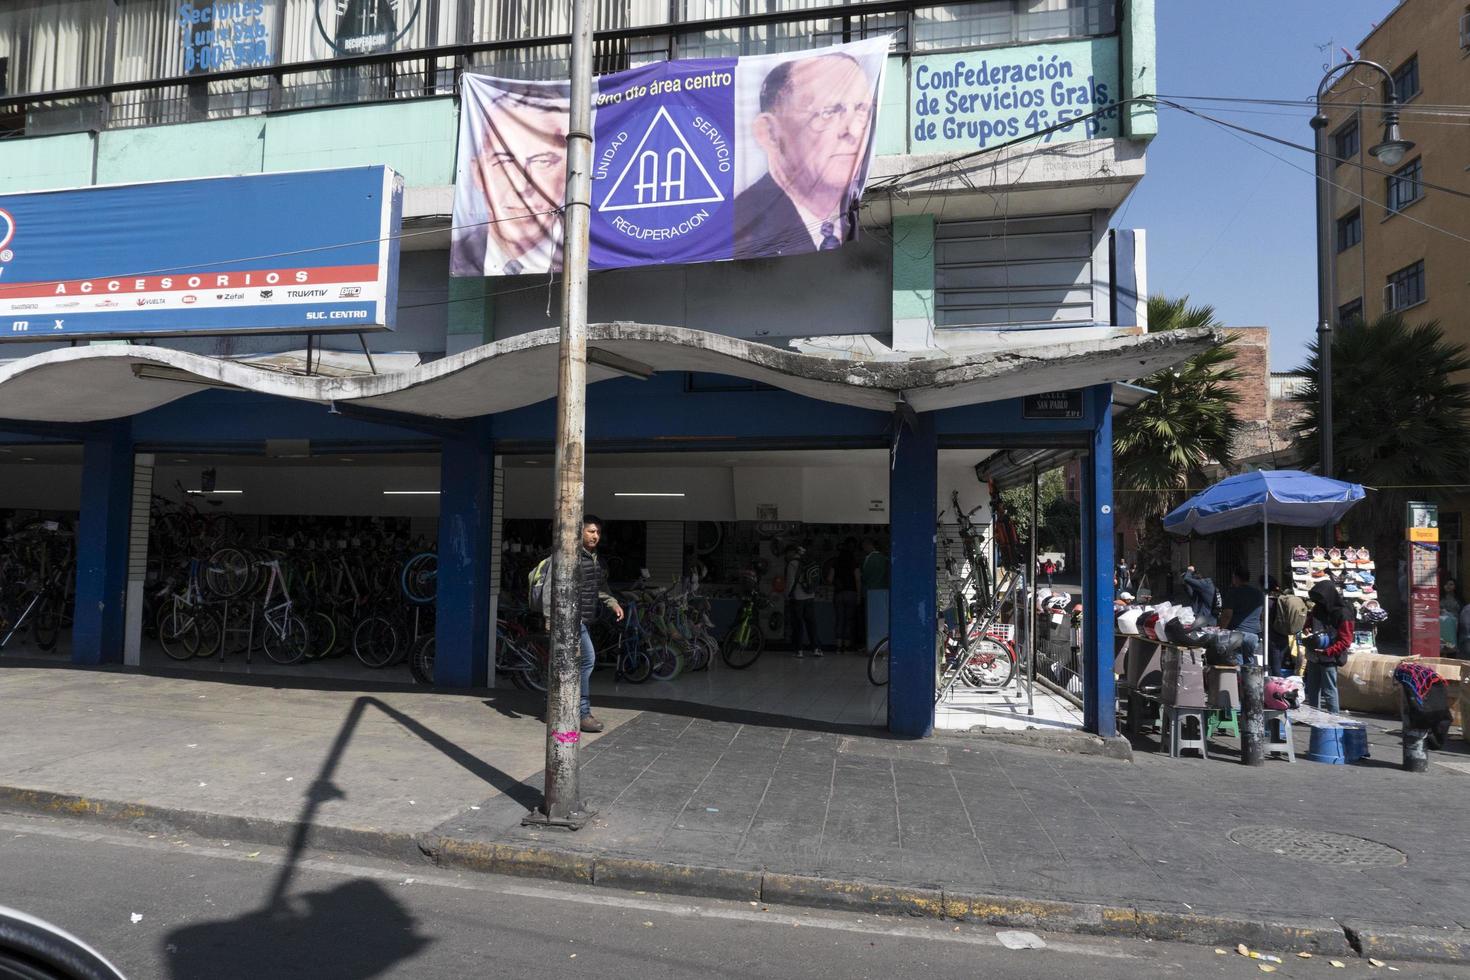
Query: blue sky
[{"x": 1227, "y": 224}]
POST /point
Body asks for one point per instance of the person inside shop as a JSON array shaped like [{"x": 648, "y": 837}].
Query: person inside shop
[
  {"x": 1288, "y": 619},
  {"x": 1243, "y": 604},
  {"x": 873, "y": 574},
  {"x": 1202, "y": 596},
  {"x": 1330, "y": 627},
  {"x": 592, "y": 593},
  {"x": 1123, "y": 578},
  {"x": 801, "y": 602},
  {"x": 847, "y": 586},
  {"x": 1449, "y": 597}
]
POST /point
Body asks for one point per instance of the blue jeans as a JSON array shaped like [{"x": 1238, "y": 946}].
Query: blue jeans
[
  {"x": 589, "y": 660},
  {"x": 1250, "y": 645},
  {"x": 1322, "y": 686}
]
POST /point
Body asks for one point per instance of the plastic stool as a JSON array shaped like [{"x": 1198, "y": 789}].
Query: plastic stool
[
  {"x": 1176, "y": 717},
  {"x": 1225, "y": 719},
  {"x": 1279, "y": 741}
]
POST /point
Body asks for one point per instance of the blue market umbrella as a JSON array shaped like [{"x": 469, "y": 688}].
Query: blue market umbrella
[{"x": 1265, "y": 497}]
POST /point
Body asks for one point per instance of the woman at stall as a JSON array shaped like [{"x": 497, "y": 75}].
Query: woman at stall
[{"x": 1330, "y": 636}]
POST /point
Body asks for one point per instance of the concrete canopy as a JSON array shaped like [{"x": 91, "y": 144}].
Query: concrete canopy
[{"x": 90, "y": 384}]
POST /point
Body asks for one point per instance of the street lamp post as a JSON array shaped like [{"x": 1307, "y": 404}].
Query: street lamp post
[{"x": 1390, "y": 152}]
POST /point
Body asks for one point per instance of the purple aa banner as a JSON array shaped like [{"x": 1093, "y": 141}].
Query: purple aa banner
[{"x": 693, "y": 161}]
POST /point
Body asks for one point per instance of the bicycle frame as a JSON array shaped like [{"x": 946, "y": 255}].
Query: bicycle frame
[
  {"x": 43, "y": 593},
  {"x": 278, "y": 617}
]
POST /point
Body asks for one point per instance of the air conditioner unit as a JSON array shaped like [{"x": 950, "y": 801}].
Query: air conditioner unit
[{"x": 1388, "y": 299}]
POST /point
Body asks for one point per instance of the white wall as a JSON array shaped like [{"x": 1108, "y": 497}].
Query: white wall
[{"x": 817, "y": 494}]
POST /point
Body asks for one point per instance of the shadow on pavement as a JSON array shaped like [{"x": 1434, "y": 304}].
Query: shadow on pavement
[
  {"x": 288, "y": 934},
  {"x": 354, "y": 930}
]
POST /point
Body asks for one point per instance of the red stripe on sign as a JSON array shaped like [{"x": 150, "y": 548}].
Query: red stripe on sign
[{"x": 184, "y": 282}]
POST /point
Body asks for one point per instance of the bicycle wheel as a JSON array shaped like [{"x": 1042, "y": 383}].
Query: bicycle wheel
[
  {"x": 988, "y": 664},
  {"x": 635, "y": 665},
  {"x": 323, "y": 631},
  {"x": 538, "y": 659},
  {"x": 669, "y": 662},
  {"x": 878, "y": 663},
  {"x": 209, "y": 630},
  {"x": 743, "y": 645},
  {"x": 46, "y": 627},
  {"x": 375, "y": 641},
  {"x": 286, "y": 640},
  {"x": 177, "y": 633},
  {"x": 420, "y": 578},
  {"x": 227, "y": 573},
  {"x": 421, "y": 662}
]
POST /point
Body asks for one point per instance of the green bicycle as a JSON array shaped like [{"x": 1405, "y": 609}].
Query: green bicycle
[{"x": 742, "y": 646}]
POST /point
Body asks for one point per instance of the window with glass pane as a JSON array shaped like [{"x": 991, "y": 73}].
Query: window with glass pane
[
  {"x": 1405, "y": 80},
  {"x": 963, "y": 25},
  {"x": 1350, "y": 312},
  {"x": 1406, "y": 185},
  {"x": 1345, "y": 141},
  {"x": 731, "y": 42},
  {"x": 1405, "y": 287},
  {"x": 1349, "y": 230},
  {"x": 49, "y": 45}
]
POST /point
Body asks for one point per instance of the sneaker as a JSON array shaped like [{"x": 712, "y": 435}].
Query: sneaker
[
  {"x": 800, "y": 654},
  {"x": 591, "y": 724},
  {"x": 817, "y": 653}
]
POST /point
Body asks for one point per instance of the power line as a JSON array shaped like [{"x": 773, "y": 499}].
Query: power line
[{"x": 1237, "y": 130}]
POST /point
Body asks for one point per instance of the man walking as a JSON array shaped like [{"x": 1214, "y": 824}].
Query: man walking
[{"x": 591, "y": 593}]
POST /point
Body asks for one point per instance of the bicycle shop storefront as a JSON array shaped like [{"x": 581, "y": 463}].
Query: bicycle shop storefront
[{"x": 352, "y": 491}]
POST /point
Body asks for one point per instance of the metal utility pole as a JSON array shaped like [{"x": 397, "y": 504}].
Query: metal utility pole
[
  {"x": 1390, "y": 152},
  {"x": 563, "y": 805}
]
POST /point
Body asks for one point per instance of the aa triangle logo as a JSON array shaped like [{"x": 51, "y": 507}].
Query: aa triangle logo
[{"x": 662, "y": 171}]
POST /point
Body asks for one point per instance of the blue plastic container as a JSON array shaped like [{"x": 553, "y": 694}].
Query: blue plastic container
[
  {"x": 1354, "y": 741},
  {"x": 1327, "y": 745}
]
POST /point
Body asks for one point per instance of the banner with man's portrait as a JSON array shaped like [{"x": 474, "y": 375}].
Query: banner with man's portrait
[{"x": 693, "y": 161}]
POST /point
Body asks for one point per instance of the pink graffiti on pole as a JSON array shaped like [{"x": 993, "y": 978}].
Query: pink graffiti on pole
[{"x": 567, "y": 738}]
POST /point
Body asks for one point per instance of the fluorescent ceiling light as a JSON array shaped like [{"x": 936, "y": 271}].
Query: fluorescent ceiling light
[
  {"x": 410, "y": 493},
  {"x": 631, "y": 493},
  {"x": 209, "y": 492}
]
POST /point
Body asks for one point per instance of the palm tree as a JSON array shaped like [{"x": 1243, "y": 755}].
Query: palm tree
[
  {"x": 1399, "y": 421},
  {"x": 1162, "y": 447}
]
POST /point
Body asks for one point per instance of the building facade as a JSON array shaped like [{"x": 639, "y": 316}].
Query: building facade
[
  {"x": 1388, "y": 257},
  {"x": 1393, "y": 252},
  {"x": 986, "y": 272}
]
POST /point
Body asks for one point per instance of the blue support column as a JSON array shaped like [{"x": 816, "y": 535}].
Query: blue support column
[
  {"x": 102, "y": 545},
  {"x": 462, "y": 619},
  {"x": 913, "y": 488},
  {"x": 1099, "y": 692}
]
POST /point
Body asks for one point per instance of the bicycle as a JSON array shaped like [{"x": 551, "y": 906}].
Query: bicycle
[
  {"x": 186, "y": 626},
  {"x": 284, "y": 635},
  {"x": 745, "y": 641}
]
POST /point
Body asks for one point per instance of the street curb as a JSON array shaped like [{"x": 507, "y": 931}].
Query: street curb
[
  {"x": 833, "y": 893},
  {"x": 1323, "y": 936},
  {"x": 254, "y": 830},
  {"x": 1409, "y": 942},
  {"x": 680, "y": 879}
]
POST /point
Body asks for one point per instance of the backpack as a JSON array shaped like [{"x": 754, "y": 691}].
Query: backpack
[{"x": 538, "y": 579}]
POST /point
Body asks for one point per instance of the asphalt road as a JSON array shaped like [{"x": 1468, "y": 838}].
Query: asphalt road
[{"x": 219, "y": 910}]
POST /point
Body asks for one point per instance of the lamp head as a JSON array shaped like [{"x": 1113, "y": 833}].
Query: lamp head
[{"x": 1394, "y": 147}]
